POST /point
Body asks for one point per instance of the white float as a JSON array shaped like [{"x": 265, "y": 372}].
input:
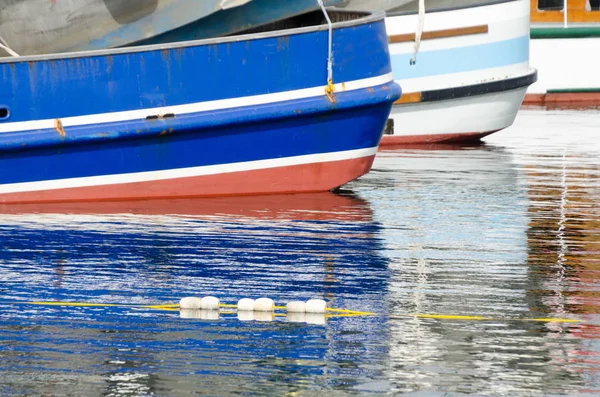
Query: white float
[
  {"x": 264, "y": 305},
  {"x": 245, "y": 305},
  {"x": 296, "y": 307},
  {"x": 190, "y": 302},
  {"x": 316, "y": 306},
  {"x": 209, "y": 303}
]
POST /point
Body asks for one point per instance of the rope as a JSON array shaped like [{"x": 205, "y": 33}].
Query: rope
[
  {"x": 420, "y": 23},
  {"x": 6, "y": 48},
  {"x": 330, "y": 312},
  {"x": 329, "y": 89}
]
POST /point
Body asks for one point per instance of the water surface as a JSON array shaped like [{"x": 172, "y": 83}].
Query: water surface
[{"x": 508, "y": 230}]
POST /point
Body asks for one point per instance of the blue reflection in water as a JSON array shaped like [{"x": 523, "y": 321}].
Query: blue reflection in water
[
  {"x": 322, "y": 246},
  {"x": 508, "y": 228}
]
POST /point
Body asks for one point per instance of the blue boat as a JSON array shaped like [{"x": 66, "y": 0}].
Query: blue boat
[{"x": 249, "y": 114}]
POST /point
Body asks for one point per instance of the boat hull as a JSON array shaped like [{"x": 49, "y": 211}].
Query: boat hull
[
  {"x": 452, "y": 121},
  {"x": 266, "y": 127},
  {"x": 568, "y": 72},
  {"x": 469, "y": 58}
]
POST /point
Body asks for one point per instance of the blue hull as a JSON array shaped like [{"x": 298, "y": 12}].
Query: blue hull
[{"x": 244, "y": 115}]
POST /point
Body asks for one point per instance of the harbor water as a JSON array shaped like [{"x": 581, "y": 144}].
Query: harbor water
[{"x": 461, "y": 253}]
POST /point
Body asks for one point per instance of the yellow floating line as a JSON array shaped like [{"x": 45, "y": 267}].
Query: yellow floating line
[
  {"x": 349, "y": 311},
  {"x": 161, "y": 307},
  {"x": 555, "y": 320},
  {"x": 450, "y": 317},
  {"x": 357, "y": 314},
  {"x": 335, "y": 312}
]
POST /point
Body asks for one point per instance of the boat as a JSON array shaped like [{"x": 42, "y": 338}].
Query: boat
[
  {"x": 254, "y": 14},
  {"x": 463, "y": 66},
  {"x": 564, "y": 46},
  {"x": 282, "y": 111},
  {"x": 33, "y": 27},
  {"x": 30, "y": 27}
]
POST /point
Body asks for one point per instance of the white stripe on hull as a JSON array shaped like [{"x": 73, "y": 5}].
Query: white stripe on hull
[
  {"x": 185, "y": 172},
  {"x": 140, "y": 114},
  {"x": 482, "y": 113}
]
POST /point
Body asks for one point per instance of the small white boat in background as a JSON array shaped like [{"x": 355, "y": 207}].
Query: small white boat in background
[
  {"x": 565, "y": 46},
  {"x": 463, "y": 67}
]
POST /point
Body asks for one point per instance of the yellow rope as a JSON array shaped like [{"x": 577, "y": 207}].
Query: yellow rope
[
  {"x": 554, "y": 320},
  {"x": 450, "y": 317},
  {"x": 330, "y": 312}
]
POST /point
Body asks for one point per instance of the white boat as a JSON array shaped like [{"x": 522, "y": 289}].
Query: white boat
[
  {"x": 467, "y": 74},
  {"x": 32, "y": 27},
  {"x": 565, "y": 46}
]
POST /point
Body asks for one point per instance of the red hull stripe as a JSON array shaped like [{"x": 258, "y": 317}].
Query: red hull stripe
[
  {"x": 313, "y": 177},
  {"x": 391, "y": 140}
]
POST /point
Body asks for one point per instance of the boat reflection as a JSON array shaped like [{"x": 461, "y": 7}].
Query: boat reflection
[
  {"x": 304, "y": 206},
  {"x": 284, "y": 247},
  {"x": 564, "y": 247},
  {"x": 462, "y": 244}
]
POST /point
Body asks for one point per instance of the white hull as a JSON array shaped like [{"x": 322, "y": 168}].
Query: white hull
[
  {"x": 569, "y": 73},
  {"x": 565, "y": 64},
  {"x": 470, "y": 76},
  {"x": 454, "y": 120}
]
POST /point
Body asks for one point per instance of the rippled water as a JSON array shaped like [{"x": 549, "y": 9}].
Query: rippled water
[{"x": 508, "y": 230}]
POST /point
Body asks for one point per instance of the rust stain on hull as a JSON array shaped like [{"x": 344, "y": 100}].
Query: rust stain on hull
[{"x": 59, "y": 128}]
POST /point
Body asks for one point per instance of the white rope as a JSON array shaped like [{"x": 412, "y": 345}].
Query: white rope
[
  {"x": 420, "y": 23},
  {"x": 6, "y": 48},
  {"x": 330, "y": 45}
]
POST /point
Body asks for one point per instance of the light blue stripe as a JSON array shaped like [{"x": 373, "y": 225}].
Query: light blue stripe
[{"x": 462, "y": 59}]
